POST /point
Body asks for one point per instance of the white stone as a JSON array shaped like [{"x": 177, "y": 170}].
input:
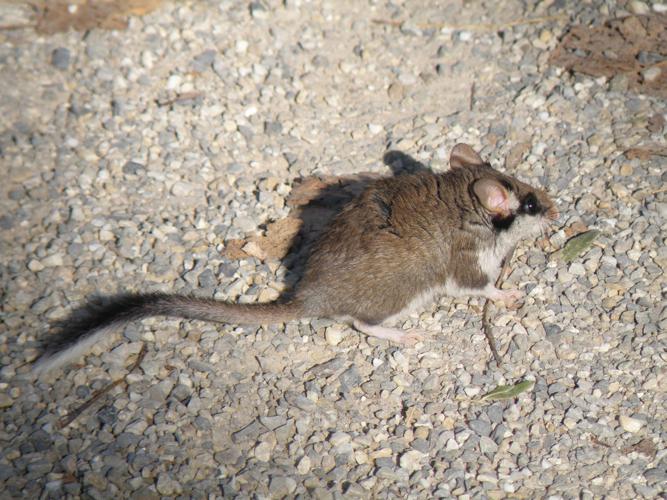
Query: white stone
[
  {"x": 35, "y": 266},
  {"x": 106, "y": 235},
  {"x": 637, "y": 7},
  {"x": 182, "y": 189},
  {"x": 54, "y": 260},
  {"x": 333, "y": 335},
  {"x": 173, "y": 82},
  {"x": 411, "y": 460},
  {"x": 263, "y": 452},
  {"x": 241, "y": 46},
  {"x": 577, "y": 269},
  {"x": 303, "y": 467},
  {"x": 137, "y": 427},
  {"x": 374, "y": 128},
  {"x": 651, "y": 74},
  {"x": 147, "y": 59},
  {"x": 630, "y": 424}
]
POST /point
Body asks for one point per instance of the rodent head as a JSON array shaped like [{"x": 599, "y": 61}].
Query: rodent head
[{"x": 512, "y": 206}]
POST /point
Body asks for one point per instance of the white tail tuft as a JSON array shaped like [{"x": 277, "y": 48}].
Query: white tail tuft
[{"x": 53, "y": 360}]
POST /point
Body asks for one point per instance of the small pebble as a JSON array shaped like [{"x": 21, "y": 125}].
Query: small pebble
[
  {"x": 60, "y": 58},
  {"x": 630, "y": 424}
]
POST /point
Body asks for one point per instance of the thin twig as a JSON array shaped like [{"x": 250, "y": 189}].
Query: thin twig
[
  {"x": 486, "y": 326},
  {"x": 186, "y": 96},
  {"x": 595, "y": 440},
  {"x": 641, "y": 195},
  {"x": 68, "y": 419},
  {"x": 13, "y": 27},
  {"x": 476, "y": 26}
]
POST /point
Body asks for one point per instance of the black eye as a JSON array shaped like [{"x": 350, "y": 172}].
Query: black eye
[{"x": 530, "y": 205}]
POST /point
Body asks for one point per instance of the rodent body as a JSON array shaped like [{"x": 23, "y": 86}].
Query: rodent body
[{"x": 401, "y": 241}]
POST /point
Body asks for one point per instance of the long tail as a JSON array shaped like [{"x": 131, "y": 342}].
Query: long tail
[{"x": 89, "y": 324}]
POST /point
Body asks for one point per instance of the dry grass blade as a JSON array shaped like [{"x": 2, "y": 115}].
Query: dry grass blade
[
  {"x": 476, "y": 26},
  {"x": 186, "y": 96},
  {"x": 645, "y": 153},
  {"x": 68, "y": 419},
  {"x": 486, "y": 325},
  {"x": 486, "y": 328}
]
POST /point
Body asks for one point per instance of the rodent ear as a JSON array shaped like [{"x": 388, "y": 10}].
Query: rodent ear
[
  {"x": 493, "y": 196},
  {"x": 463, "y": 155}
]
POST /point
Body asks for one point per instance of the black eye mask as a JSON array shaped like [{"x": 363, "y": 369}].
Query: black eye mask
[{"x": 530, "y": 205}]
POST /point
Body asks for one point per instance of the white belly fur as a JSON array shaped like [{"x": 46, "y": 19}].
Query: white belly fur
[{"x": 490, "y": 260}]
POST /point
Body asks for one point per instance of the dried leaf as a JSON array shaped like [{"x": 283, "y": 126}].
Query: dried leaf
[
  {"x": 576, "y": 245},
  {"x": 234, "y": 249},
  {"x": 597, "y": 441},
  {"x": 644, "y": 153},
  {"x": 61, "y": 15},
  {"x": 314, "y": 201},
  {"x": 634, "y": 47},
  {"x": 645, "y": 447},
  {"x": 575, "y": 228},
  {"x": 278, "y": 239},
  {"x": 305, "y": 191},
  {"x": 508, "y": 391},
  {"x": 254, "y": 250}
]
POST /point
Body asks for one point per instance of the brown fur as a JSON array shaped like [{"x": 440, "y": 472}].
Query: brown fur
[{"x": 402, "y": 236}]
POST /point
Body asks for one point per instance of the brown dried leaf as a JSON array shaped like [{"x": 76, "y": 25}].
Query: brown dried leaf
[
  {"x": 575, "y": 228},
  {"x": 61, "y": 15},
  {"x": 644, "y": 153},
  {"x": 234, "y": 249},
  {"x": 254, "y": 250},
  {"x": 314, "y": 201},
  {"x": 278, "y": 238},
  {"x": 305, "y": 191},
  {"x": 614, "y": 49},
  {"x": 645, "y": 447}
]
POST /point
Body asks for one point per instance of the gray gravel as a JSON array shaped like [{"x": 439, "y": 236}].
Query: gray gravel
[{"x": 114, "y": 182}]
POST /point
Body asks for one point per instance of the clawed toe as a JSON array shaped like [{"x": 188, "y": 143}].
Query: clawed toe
[
  {"x": 512, "y": 299},
  {"x": 412, "y": 336}
]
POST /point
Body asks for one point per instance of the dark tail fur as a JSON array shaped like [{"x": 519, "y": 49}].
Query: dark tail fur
[{"x": 90, "y": 323}]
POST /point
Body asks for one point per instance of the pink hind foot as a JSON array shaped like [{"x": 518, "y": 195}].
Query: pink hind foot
[
  {"x": 405, "y": 337},
  {"x": 511, "y": 298}
]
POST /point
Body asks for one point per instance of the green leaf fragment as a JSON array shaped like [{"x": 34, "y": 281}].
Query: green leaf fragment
[
  {"x": 576, "y": 245},
  {"x": 508, "y": 391}
]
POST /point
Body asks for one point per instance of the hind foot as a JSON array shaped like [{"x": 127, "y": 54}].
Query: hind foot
[
  {"x": 405, "y": 337},
  {"x": 511, "y": 298}
]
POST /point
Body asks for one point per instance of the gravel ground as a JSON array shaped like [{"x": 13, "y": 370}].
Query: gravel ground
[{"x": 130, "y": 157}]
